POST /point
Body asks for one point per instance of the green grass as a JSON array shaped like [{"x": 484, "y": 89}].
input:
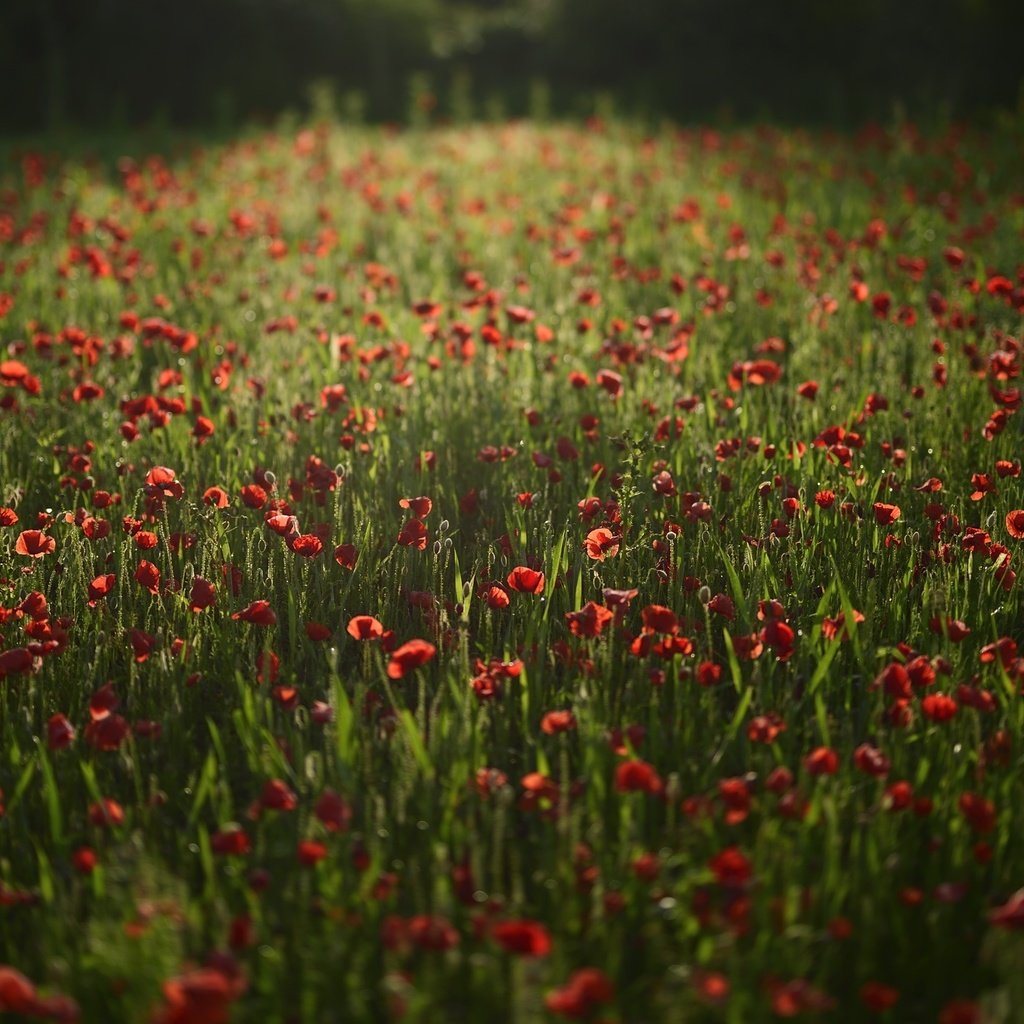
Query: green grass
[{"x": 227, "y": 246}]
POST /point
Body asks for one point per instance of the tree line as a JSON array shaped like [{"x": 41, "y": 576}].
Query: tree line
[{"x": 209, "y": 62}]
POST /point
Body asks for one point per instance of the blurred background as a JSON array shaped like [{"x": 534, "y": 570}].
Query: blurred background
[{"x": 112, "y": 64}]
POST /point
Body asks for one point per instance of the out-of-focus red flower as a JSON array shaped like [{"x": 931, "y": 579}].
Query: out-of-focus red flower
[
  {"x": 636, "y": 776},
  {"x": 409, "y": 656},
  {"x": 586, "y": 990},
  {"x": 259, "y": 613},
  {"x": 522, "y": 937},
  {"x": 589, "y": 621}
]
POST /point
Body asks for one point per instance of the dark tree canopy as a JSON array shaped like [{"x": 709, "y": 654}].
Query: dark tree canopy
[{"x": 197, "y": 62}]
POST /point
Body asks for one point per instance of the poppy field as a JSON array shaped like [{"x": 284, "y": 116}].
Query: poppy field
[{"x": 519, "y": 573}]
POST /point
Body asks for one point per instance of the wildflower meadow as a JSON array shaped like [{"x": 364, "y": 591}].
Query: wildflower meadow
[{"x": 518, "y": 572}]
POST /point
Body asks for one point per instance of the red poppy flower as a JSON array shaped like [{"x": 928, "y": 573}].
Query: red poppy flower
[
  {"x": 523, "y": 938},
  {"x": 496, "y": 597},
  {"x": 345, "y": 555},
  {"x": 433, "y": 933},
  {"x": 730, "y": 867},
  {"x": 1015, "y": 523},
  {"x": 282, "y": 524},
  {"x": 409, "y": 656},
  {"x": 254, "y": 496},
  {"x": 334, "y": 811},
  {"x": 106, "y": 812},
  {"x": 161, "y": 481},
  {"x": 618, "y": 599},
  {"x": 871, "y": 760},
  {"x": 413, "y": 534},
  {"x": 589, "y": 621},
  {"x": 1010, "y": 914},
  {"x": 979, "y": 811},
  {"x": 364, "y": 627},
  {"x": 821, "y": 761},
  {"x": 601, "y": 544},
  {"x": 107, "y": 733},
  {"x": 8, "y": 517},
  {"x": 259, "y": 613},
  {"x": 310, "y": 852},
  {"x": 735, "y": 794},
  {"x": 557, "y": 721},
  {"x": 658, "y": 619},
  {"x": 939, "y": 707},
  {"x": 100, "y": 587},
  {"x": 60, "y": 733},
  {"x": 586, "y": 989},
  {"x": 308, "y": 545},
  {"x": 723, "y": 605},
  {"x": 201, "y": 996},
  {"x": 420, "y": 507},
  {"x": 885, "y": 514},
  {"x": 215, "y": 497},
  {"x": 17, "y": 993},
  {"x": 317, "y": 631},
  {"x": 610, "y": 381},
  {"x": 34, "y": 544},
  {"x": 878, "y": 997},
  {"x": 230, "y": 841},
  {"x": 278, "y": 796},
  {"x": 102, "y": 702},
  {"x": 764, "y": 728},
  {"x": 203, "y": 595},
  {"x": 525, "y": 580},
  {"x": 147, "y": 575},
  {"x": 142, "y": 644},
  {"x": 637, "y": 776},
  {"x": 268, "y": 665}
]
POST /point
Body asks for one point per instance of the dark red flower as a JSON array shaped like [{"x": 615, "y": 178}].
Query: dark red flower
[
  {"x": 586, "y": 989},
  {"x": 147, "y": 575},
  {"x": 821, "y": 761},
  {"x": 420, "y": 507},
  {"x": 878, "y": 997},
  {"x": 413, "y": 535},
  {"x": 1010, "y": 914},
  {"x": 730, "y": 867},
  {"x": 589, "y": 621},
  {"x": 259, "y": 613},
  {"x": 409, "y": 656},
  {"x": 203, "y": 594},
  {"x": 345, "y": 555},
  {"x": 333, "y": 810},
  {"x": 230, "y": 841},
  {"x": 277, "y": 795},
  {"x": 523, "y": 938},
  {"x": 60, "y": 733},
  {"x": 636, "y": 776}
]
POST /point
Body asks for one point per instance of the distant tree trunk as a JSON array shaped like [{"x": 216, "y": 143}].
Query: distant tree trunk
[{"x": 54, "y": 63}]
